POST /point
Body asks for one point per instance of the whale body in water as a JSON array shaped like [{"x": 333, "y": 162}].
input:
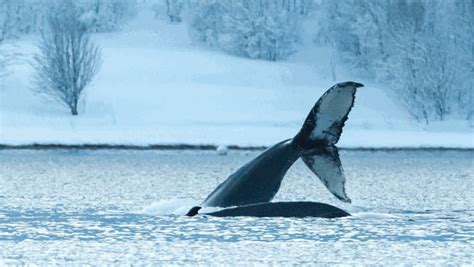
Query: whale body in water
[
  {"x": 251, "y": 187},
  {"x": 297, "y": 209}
]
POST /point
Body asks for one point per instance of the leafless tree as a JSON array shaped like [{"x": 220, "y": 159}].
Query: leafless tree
[
  {"x": 8, "y": 18},
  {"x": 8, "y": 22},
  {"x": 422, "y": 49},
  {"x": 67, "y": 60},
  {"x": 174, "y": 9}
]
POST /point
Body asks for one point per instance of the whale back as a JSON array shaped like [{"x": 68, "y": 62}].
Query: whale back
[
  {"x": 283, "y": 209},
  {"x": 258, "y": 180}
]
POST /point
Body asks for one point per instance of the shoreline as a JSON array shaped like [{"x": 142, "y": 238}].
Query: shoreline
[{"x": 206, "y": 147}]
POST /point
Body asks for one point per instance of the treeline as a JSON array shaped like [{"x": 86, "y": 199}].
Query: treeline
[
  {"x": 422, "y": 50},
  {"x": 258, "y": 29},
  {"x": 21, "y": 17}
]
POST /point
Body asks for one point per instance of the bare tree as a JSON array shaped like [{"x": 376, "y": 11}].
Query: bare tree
[
  {"x": 8, "y": 26},
  {"x": 8, "y": 18},
  {"x": 263, "y": 29},
  {"x": 67, "y": 59},
  {"x": 174, "y": 9},
  {"x": 422, "y": 49}
]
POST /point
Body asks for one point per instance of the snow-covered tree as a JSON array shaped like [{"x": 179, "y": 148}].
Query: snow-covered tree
[
  {"x": 7, "y": 58},
  {"x": 67, "y": 59},
  {"x": 106, "y": 15},
  {"x": 10, "y": 25},
  {"x": 206, "y": 22},
  {"x": 431, "y": 63},
  {"x": 174, "y": 8},
  {"x": 423, "y": 49},
  {"x": 256, "y": 29},
  {"x": 19, "y": 17},
  {"x": 462, "y": 14},
  {"x": 9, "y": 18}
]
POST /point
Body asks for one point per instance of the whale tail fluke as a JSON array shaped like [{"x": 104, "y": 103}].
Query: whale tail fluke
[{"x": 320, "y": 133}]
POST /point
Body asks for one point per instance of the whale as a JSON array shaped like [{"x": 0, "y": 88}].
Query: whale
[
  {"x": 297, "y": 209},
  {"x": 250, "y": 189}
]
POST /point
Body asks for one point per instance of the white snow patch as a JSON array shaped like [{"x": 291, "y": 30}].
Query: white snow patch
[
  {"x": 222, "y": 150},
  {"x": 155, "y": 87}
]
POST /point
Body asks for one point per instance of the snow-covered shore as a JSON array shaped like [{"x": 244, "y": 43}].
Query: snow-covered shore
[
  {"x": 157, "y": 87},
  {"x": 238, "y": 135}
]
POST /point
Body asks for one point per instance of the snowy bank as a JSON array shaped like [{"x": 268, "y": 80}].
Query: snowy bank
[{"x": 156, "y": 87}]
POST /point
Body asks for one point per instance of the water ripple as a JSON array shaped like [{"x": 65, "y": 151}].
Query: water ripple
[{"x": 125, "y": 207}]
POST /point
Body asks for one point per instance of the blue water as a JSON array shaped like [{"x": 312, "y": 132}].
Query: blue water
[{"x": 125, "y": 207}]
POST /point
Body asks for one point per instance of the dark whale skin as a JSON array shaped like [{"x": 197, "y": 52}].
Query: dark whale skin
[
  {"x": 260, "y": 179},
  {"x": 257, "y": 181},
  {"x": 283, "y": 209}
]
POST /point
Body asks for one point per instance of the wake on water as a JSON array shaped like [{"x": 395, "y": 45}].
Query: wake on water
[
  {"x": 173, "y": 207},
  {"x": 179, "y": 207},
  {"x": 168, "y": 207}
]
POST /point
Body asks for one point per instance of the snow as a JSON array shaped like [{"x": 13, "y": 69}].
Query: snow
[
  {"x": 156, "y": 86},
  {"x": 222, "y": 150}
]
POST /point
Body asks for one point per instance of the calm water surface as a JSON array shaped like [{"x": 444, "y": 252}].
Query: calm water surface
[{"x": 122, "y": 207}]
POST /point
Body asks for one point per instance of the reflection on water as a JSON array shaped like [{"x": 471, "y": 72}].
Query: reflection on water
[{"x": 111, "y": 207}]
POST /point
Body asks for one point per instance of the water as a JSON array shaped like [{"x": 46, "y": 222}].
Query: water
[{"x": 123, "y": 207}]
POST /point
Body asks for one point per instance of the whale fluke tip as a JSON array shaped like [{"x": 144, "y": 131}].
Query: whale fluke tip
[{"x": 350, "y": 83}]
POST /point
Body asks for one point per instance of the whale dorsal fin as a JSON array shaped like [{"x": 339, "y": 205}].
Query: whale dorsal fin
[{"x": 325, "y": 163}]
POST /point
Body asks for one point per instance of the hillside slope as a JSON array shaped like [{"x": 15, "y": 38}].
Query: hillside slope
[{"x": 157, "y": 87}]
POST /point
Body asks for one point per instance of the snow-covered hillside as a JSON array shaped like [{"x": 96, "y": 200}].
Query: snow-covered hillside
[{"x": 156, "y": 87}]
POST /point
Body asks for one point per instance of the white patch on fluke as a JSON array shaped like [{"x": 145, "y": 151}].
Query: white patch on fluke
[
  {"x": 333, "y": 106},
  {"x": 327, "y": 167}
]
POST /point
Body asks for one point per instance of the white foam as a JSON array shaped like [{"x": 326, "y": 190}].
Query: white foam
[
  {"x": 374, "y": 215},
  {"x": 169, "y": 207}
]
